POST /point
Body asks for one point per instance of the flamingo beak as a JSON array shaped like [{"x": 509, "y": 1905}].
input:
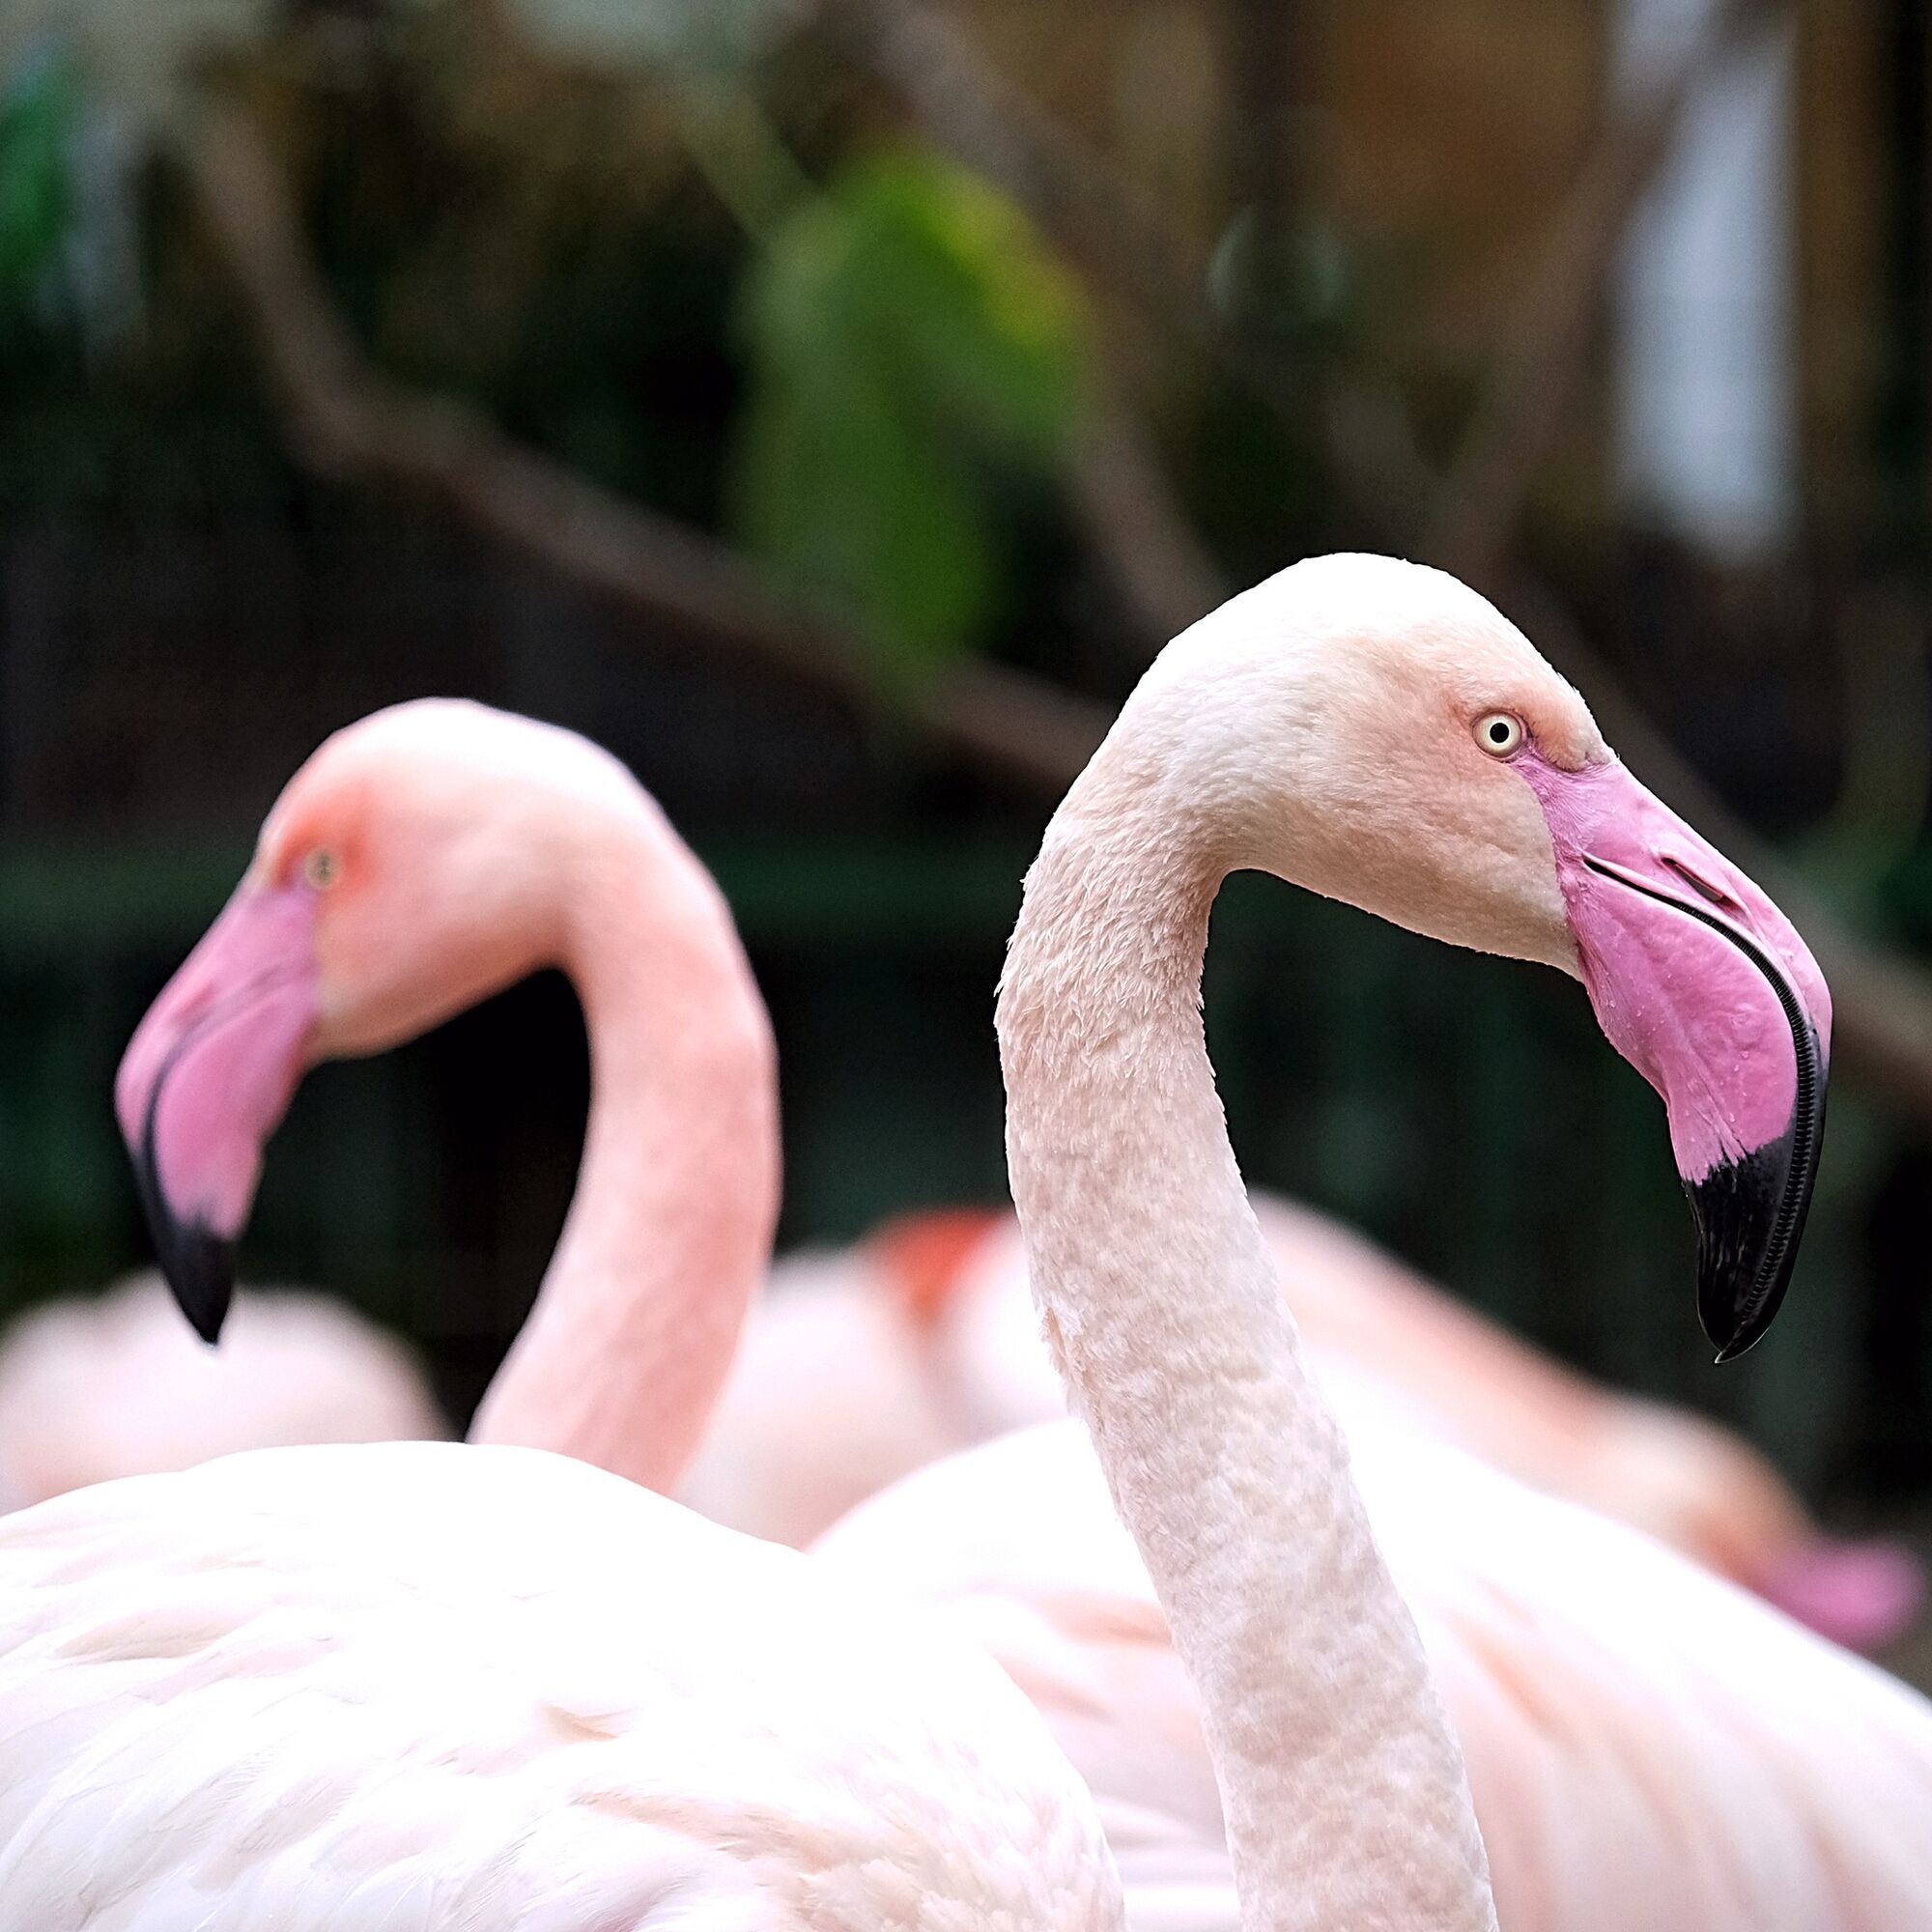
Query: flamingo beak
[
  {"x": 1704, "y": 986},
  {"x": 205, "y": 1080}
]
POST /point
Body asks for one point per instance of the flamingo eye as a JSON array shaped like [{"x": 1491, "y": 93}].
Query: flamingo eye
[
  {"x": 1499, "y": 733},
  {"x": 320, "y": 869}
]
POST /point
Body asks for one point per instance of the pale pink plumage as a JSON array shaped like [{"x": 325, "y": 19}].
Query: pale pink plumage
[
  {"x": 431, "y": 1687},
  {"x": 1646, "y": 1745},
  {"x": 461, "y": 1689},
  {"x": 830, "y": 1396},
  {"x": 117, "y": 1387},
  {"x": 1454, "y": 1375},
  {"x": 860, "y": 1366}
]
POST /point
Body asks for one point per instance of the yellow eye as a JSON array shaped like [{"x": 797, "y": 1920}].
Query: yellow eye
[
  {"x": 318, "y": 868},
  {"x": 1499, "y": 734}
]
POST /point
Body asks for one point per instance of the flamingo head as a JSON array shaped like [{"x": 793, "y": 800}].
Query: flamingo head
[
  {"x": 1425, "y": 763},
  {"x": 416, "y": 864},
  {"x": 924, "y": 1253}
]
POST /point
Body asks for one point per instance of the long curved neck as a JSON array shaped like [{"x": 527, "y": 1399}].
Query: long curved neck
[
  {"x": 669, "y": 1231},
  {"x": 1347, "y": 1802}
]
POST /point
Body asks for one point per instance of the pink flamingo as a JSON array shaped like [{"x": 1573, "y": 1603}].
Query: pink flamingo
[
  {"x": 117, "y": 1386},
  {"x": 442, "y": 1687},
  {"x": 969, "y": 1337},
  {"x": 834, "y": 1394},
  {"x": 864, "y": 1364},
  {"x": 1241, "y": 1683},
  {"x": 1423, "y": 1816}
]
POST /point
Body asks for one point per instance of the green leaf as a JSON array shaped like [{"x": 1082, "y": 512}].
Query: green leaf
[
  {"x": 836, "y": 487},
  {"x": 37, "y": 120},
  {"x": 909, "y": 336}
]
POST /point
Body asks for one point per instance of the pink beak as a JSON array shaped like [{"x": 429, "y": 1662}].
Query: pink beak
[
  {"x": 205, "y": 1080},
  {"x": 1705, "y": 987}
]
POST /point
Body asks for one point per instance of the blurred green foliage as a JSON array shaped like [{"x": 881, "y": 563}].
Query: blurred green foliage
[
  {"x": 906, "y": 332},
  {"x": 37, "y": 132}
]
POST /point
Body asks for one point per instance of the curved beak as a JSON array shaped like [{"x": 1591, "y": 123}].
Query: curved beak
[
  {"x": 205, "y": 1080},
  {"x": 1704, "y": 986}
]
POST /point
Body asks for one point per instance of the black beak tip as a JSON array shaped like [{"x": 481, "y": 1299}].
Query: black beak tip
[
  {"x": 1749, "y": 1215},
  {"x": 1738, "y": 1345},
  {"x": 200, "y": 1269},
  {"x": 197, "y": 1263}
]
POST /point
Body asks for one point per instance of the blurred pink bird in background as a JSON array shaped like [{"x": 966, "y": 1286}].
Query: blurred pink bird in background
[
  {"x": 498, "y": 846},
  {"x": 119, "y": 1386},
  {"x": 860, "y": 1365}
]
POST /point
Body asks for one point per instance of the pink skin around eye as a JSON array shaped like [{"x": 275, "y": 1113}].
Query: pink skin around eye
[
  {"x": 1683, "y": 1003},
  {"x": 213, "y": 1066}
]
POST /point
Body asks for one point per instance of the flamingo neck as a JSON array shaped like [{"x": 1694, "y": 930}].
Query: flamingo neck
[
  {"x": 1346, "y": 1798},
  {"x": 669, "y": 1233}
]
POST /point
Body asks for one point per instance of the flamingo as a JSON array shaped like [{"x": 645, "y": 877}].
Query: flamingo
[
  {"x": 834, "y": 1394},
  {"x": 115, "y": 1386},
  {"x": 860, "y": 1365},
  {"x": 1241, "y": 1683},
  {"x": 968, "y": 1319},
  {"x": 1405, "y": 1857},
  {"x": 443, "y": 1686}
]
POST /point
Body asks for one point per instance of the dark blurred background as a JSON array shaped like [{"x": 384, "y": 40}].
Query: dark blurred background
[{"x": 830, "y": 409}]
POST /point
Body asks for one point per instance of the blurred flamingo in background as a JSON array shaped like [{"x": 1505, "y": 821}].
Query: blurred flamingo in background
[
  {"x": 117, "y": 1387},
  {"x": 835, "y": 1393},
  {"x": 449, "y": 1686},
  {"x": 1679, "y": 1477},
  {"x": 864, "y": 1364}
]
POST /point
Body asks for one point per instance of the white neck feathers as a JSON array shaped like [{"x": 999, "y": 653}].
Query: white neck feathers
[{"x": 1346, "y": 1798}]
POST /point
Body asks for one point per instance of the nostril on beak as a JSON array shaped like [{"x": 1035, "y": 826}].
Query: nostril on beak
[{"x": 1698, "y": 884}]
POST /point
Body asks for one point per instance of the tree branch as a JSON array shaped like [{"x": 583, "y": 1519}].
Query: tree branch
[
  {"x": 1526, "y": 399},
  {"x": 1107, "y": 225},
  {"x": 351, "y": 423},
  {"x": 1137, "y": 530}
]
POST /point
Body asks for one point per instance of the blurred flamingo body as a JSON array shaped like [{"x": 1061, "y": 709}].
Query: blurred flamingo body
[
  {"x": 449, "y": 1687},
  {"x": 117, "y": 1387},
  {"x": 830, "y": 1397},
  {"x": 1457, "y": 1378},
  {"x": 863, "y": 1365}
]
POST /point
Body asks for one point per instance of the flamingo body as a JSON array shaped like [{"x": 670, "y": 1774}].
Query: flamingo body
[
  {"x": 830, "y": 1396},
  {"x": 1646, "y": 1745},
  {"x": 453, "y": 1689}
]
